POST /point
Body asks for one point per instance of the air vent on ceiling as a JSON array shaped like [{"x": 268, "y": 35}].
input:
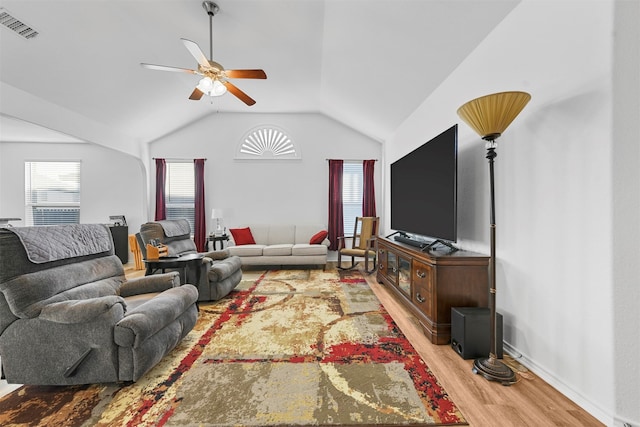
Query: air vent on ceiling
[{"x": 16, "y": 25}]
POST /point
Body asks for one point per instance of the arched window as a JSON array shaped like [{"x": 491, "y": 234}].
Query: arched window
[{"x": 267, "y": 142}]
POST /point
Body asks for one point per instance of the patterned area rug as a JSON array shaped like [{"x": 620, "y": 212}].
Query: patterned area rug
[{"x": 289, "y": 347}]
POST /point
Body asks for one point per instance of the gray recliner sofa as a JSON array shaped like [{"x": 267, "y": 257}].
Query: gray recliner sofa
[
  {"x": 220, "y": 271},
  {"x": 68, "y": 315}
]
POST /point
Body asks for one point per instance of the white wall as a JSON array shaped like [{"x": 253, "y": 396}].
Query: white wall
[
  {"x": 111, "y": 183},
  {"x": 266, "y": 191},
  {"x": 626, "y": 210},
  {"x": 554, "y": 179}
]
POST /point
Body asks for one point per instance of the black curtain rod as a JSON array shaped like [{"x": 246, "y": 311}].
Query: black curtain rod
[
  {"x": 175, "y": 158},
  {"x": 352, "y": 160}
]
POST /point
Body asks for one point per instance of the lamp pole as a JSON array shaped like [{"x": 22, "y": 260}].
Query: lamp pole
[
  {"x": 490, "y": 367},
  {"x": 491, "y": 155}
]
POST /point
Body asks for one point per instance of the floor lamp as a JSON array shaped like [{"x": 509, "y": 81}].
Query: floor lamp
[{"x": 490, "y": 116}]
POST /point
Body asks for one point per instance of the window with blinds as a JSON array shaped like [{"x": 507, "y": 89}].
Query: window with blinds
[
  {"x": 52, "y": 193},
  {"x": 180, "y": 191},
  {"x": 352, "y": 184}
]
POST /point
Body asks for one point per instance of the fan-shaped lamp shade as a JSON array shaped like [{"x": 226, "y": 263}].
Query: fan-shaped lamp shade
[{"x": 490, "y": 115}]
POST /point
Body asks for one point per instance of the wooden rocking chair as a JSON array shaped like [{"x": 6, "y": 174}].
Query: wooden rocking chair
[{"x": 363, "y": 243}]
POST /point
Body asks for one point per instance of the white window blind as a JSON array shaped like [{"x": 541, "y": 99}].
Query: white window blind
[
  {"x": 180, "y": 191},
  {"x": 52, "y": 193},
  {"x": 352, "y": 182}
]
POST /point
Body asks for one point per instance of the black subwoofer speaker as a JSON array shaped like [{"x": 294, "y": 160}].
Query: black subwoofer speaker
[{"x": 470, "y": 332}]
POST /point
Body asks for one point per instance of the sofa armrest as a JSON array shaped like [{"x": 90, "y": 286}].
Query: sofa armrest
[
  {"x": 81, "y": 311},
  {"x": 150, "y": 284},
  {"x": 145, "y": 320},
  {"x": 222, "y": 269},
  {"x": 218, "y": 255}
]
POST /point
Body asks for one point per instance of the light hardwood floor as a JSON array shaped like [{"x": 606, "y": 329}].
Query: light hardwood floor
[{"x": 529, "y": 402}]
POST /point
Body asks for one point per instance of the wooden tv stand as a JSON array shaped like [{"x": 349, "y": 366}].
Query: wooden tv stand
[{"x": 430, "y": 283}]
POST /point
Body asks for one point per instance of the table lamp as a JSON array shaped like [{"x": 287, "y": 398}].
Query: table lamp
[{"x": 217, "y": 214}]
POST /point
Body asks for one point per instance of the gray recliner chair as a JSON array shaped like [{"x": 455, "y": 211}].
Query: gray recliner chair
[
  {"x": 221, "y": 272},
  {"x": 68, "y": 315}
]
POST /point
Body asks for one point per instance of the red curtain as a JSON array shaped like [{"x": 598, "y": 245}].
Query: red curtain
[
  {"x": 336, "y": 227},
  {"x": 161, "y": 177},
  {"x": 368, "y": 189},
  {"x": 200, "y": 232}
]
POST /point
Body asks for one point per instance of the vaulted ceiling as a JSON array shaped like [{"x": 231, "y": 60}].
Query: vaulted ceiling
[{"x": 366, "y": 63}]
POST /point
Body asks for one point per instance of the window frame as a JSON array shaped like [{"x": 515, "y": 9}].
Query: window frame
[
  {"x": 352, "y": 190},
  {"x": 267, "y": 142},
  {"x": 35, "y": 208},
  {"x": 175, "y": 209}
]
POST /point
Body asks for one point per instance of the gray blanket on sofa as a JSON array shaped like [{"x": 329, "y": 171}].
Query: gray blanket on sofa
[
  {"x": 45, "y": 244},
  {"x": 174, "y": 228}
]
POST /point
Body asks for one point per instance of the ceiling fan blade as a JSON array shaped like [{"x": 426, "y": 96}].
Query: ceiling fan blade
[
  {"x": 195, "y": 50},
  {"x": 246, "y": 74},
  {"x": 196, "y": 94},
  {"x": 165, "y": 68},
  {"x": 239, "y": 94}
]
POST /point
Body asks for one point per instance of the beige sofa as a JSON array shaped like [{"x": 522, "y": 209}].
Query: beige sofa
[{"x": 281, "y": 245}]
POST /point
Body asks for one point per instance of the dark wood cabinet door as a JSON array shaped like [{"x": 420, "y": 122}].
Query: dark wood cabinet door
[
  {"x": 392, "y": 268},
  {"x": 382, "y": 261},
  {"x": 422, "y": 275},
  {"x": 404, "y": 275}
]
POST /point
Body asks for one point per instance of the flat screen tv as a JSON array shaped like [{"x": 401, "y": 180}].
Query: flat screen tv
[{"x": 424, "y": 191}]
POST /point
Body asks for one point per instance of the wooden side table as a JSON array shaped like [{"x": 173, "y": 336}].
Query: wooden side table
[{"x": 215, "y": 239}]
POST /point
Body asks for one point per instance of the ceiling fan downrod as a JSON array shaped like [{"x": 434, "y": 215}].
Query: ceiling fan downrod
[{"x": 211, "y": 8}]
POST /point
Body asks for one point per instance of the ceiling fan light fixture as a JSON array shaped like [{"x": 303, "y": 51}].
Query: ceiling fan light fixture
[
  {"x": 205, "y": 85},
  {"x": 218, "y": 88},
  {"x": 211, "y": 87}
]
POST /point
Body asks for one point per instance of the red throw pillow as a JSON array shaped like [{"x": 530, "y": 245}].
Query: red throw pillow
[
  {"x": 319, "y": 237},
  {"x": 242, "y": 236}
]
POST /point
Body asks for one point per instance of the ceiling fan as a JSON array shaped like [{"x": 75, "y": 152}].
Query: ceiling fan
[{"x": 215, "y": 78}]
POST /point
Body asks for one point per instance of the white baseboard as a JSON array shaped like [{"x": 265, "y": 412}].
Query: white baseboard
[
  {"x": 592, "y": 408},
  {"x": 620, "y": 422}
]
